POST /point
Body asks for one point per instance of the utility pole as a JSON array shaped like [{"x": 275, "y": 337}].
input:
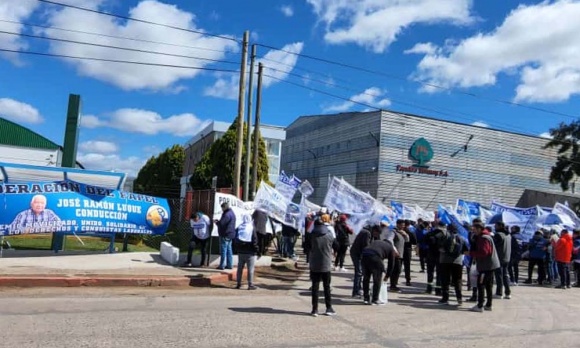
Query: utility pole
[
  {"x": 257, "y": 132},
  {"x": 240, "y": 118},
  {"x": 249, "y": 130}
]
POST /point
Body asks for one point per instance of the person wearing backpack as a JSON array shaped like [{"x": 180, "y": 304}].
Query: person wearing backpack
[
  {"x": 343, "y": 233},
  {"x": 432, "y": 240},
  {"x": 503, "y": 245},
  {"x": 451, "y": 252}
]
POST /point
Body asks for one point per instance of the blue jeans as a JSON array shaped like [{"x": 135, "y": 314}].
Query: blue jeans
[
  {"x": 288, "y": 246},
  {"x": 226, "y": 254},
  {"x": 357, "y": 282}
]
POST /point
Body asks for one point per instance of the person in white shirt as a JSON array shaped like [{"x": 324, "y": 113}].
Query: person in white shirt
[{"x": 200, "y": 232}]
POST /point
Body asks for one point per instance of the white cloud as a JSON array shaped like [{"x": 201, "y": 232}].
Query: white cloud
[
  {"x": 277, "y": 65},
  {"x": 148, "y": 122},
  {"x": 372, "y": 96},
  {"x": 546, "y": 135},
  {"x": 98, "y": 146},
  {"x": 422, "y": 48},
  {"x": 15, "y": 11},
  {"x": 19, "y": 112},
  {"x": 287, "y": 10},
  {"x": 480, "y": 124},
  {"x": 90, "y": 121},
  {"x": 97, "y": 161},
  {"x": 130, "y": 76},
  {"x": 375, "y": 24},
  {"x": 538, "y": 42}
]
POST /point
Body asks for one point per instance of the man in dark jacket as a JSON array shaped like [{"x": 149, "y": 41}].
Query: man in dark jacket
[
  {"x": 432, "y": 239},
  {"x": 320, "y": 257},
  {"x": 516, "y": 254},
  {"x": 343, "y": 233},
  {"x": 260, "y": 219},
  {"x": 451, "y": 251},
  {"x": 373, "y": 257},
  {"x": 362, "y": 240},
  {"x": 503, "y": 245},
  {"x": 408, "y": 254},
  {"x": 246, "y": 243},
  {"x": 487, "y": 262},
  {"x": 537, "y": 247},
  {"x": 400, "y": 238},
  {"x": 227, "y": 231}
]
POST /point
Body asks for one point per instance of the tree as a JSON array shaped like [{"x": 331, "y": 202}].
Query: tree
[
  {"x": 565, "y": 137},
  {"x": 160, "y": 175},
  {"x": 219, "y": 161}
]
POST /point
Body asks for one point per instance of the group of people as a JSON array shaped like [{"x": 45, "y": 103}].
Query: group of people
[{"x": 489, "y": 253}]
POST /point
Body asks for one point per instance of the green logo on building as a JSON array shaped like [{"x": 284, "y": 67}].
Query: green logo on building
[{"x": 421, "y": 152}]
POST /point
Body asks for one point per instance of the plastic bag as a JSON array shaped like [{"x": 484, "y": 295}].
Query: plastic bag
[
  {"x": 384, "y": 293},
  {"x": 473, "y": 275}
]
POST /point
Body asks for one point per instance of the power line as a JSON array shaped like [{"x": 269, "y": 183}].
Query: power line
[
  {"x": 116, "y": 47},
  {"x": 428, "y": 84},
  {"x": 140, "y": 20},
  {"x": 118, "y": 61},
  {"x": 111, "y": 36}
]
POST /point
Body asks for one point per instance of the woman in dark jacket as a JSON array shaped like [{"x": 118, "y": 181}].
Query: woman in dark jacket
[{"x": 320, "y": 257}]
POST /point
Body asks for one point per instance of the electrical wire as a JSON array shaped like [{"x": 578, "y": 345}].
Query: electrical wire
[
  {"x": 427, "y": 84},
  {"x": 139, "y": 20},
  {"x": 111, "y": 36},
  {"x": 117, "y": 61},
  {"x": 116, "y": 47}
]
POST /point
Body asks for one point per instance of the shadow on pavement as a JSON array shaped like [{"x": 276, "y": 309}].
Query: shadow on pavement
[
  {"x": 430, "y": 303},
  {"x": 266, "y": 310}
]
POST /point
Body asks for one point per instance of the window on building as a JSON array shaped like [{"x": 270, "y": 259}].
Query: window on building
[{"x": 273, "y": 147}]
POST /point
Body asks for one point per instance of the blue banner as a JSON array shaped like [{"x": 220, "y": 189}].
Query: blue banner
[
  {"x": 74, "y": 208},
  {"x": 398, "y": 209},
  {"x": 449, "y": 218},
  {"x": 500, "y": 208}
]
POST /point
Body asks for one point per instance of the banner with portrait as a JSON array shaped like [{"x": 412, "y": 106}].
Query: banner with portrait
[{"x": 75, "y": 208}]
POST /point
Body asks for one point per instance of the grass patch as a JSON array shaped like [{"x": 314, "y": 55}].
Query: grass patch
[{"x": 42, "y": 242}]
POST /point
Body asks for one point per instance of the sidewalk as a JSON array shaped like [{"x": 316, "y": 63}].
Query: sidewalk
[{"x": 45, "y": 269}]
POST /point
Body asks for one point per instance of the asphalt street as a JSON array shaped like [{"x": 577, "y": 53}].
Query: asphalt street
[{"x": 277, "y": 315}]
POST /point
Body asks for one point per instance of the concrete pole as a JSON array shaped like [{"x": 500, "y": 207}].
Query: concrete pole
[
  {"x": 249, "y": 130},
  {"x": 257, "y": 132},
  {"x": 240, "y": 117}
]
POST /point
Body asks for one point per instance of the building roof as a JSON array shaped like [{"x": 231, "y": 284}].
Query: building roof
[
  {"x": 266, "y": 130},
  {"x": 16, "y": 135}
]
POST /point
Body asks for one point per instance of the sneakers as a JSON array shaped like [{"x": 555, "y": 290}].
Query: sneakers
[
  {"x": 459, "y": 302},
  {"x": 527, "y": 281},
  {"x": 239, "y": 286},
  {"x": 443, "y": 302},
  {"x": 367, "y": 302},
  {"x": 471, "y": 299},
  {"x": 408, "y": 284},
  {"x": 499, "y": 297},
  {"x": 329, "y": 312},
  {"x": 314, "y": 313},
  {"x": 476, "y": 309},
  {"x": 187, "y": 264},
  {"x": 336, "y": 268},
  {"x": 395, "y": 289},
  {"x": 252, "y": 287},
  {"x": 508, "y": 297},
  {"x": 378, "y": 303},
  {"x": 487, "y": 308},
  {"x": 343, "y": 269},
  {"x": 568, "y": 287}
]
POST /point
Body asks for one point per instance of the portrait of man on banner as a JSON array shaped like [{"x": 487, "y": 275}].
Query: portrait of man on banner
[{"x": 37, "y": 218}]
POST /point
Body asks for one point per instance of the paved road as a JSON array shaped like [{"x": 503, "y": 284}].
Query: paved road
[{"x": 277, "y": 316}]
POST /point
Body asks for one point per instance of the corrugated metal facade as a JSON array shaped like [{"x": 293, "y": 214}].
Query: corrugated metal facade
[
  {"x": 13, "y": 134},
  {"x": 496, "y": 165}
]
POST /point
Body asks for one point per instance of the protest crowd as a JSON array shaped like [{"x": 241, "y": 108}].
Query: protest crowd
[{"x": 485, "y": 246}]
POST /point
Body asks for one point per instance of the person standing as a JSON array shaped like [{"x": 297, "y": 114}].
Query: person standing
[
  {"x": 201, "y": 227},
  {"x": 408, "y": 250},
  {"x": 563, "y": 255},
  {"x": 576, "y": 256},
  {"x": 453, "y": 246},
  {"x": 422, "y": 229},
  {"x": 320, "y": 257},
  {"x": 343, "y": 233},
  {"x": 260, "y": 219},
  {"x": 289, "y": 235},
  {"x": 503, "y": 246},
  {"x": 537, "y": 247},
  {"x": 373, "y": 257},
  {"x": 487, "y": 262},
  {"x": 433, "y": 238},
  {"x": 362, "y": 240},
  {"x": 516, "y": 255},
  {"x": 400, "y": 238},
  {"x": 247, "y": 248},
  {"x": 227, "y": 231}
]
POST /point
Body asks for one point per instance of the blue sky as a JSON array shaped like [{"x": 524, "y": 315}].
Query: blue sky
[{"x": 478, "y": 51}]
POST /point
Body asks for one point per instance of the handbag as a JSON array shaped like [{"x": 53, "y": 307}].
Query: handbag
[
  {"x": 473, "y": 275},
  {"x": 384, "y": 293}
]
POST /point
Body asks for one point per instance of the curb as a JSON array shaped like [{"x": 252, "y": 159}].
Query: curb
[{"x": 30, "y": 281}]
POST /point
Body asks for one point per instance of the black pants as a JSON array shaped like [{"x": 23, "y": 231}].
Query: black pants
[
  {"x": 564, "y": 271},
  {"x": 433, "y": 272},
  {"x": 316, "y": 278},
  {"x": 263, "y": 239},
  {"x": 340, "y": 254},
  {"x": 202, "y": 243},
  {"x": 407, "y": 263},
  {"x": 514, "y": 270},
  {"x": 372, "y": 265},
  {"x": 396, "y": 272},
  {"x": 485, "y": 288},
  {"x": 541, "y": 270},
  {"x": 422, "y": 259},
  {"x": 502, "y": 280},
  {"x": 451, "y": 274}
]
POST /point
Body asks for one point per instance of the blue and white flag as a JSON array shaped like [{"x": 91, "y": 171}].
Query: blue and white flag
[
  {"x": 287, "y": 186},
  {"x": 448, "y": 218},
  {"x": 467, "y": 211},
  {"x": 398, "y": 209},
  {"x": 345, "y": 198}
]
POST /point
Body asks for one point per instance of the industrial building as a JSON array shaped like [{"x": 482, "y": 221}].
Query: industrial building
[
  {"x": 418, "y": 160},
  {"x": 197, "y": 146}
]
